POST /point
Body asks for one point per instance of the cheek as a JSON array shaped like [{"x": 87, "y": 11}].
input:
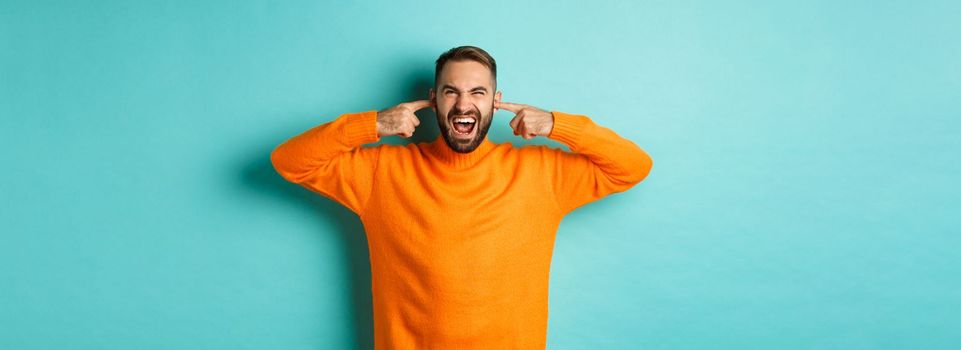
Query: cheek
[
  {"x": 443, "y": 111},
  {"x": 447, "y": 103}
]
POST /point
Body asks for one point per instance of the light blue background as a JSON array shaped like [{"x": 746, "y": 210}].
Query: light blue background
[{"x": 804, "y": 193}]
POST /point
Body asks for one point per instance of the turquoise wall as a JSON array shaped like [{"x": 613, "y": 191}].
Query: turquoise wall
[{"x": 804, "y": 194}]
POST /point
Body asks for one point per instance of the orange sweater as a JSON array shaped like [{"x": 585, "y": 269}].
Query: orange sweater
[{"x": 460, "y": 244}]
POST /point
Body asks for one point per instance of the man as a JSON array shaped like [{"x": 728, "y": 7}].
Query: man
[{"x": 461, "y": 230}]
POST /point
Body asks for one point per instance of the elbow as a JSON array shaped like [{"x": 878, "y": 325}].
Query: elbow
[
  {"x": 295, "y": 168},
  {"x": 640, "y": 167},
  {"x": 277, "y": 160}
]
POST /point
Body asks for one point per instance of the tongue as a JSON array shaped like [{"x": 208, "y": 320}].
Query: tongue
[{"x": 463, "y": 128}]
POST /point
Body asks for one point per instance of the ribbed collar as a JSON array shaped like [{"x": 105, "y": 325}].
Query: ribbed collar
[{"x": 442, "y": 152}]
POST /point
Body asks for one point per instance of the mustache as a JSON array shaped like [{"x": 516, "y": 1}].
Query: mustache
[{"x": 473, "y": 112}]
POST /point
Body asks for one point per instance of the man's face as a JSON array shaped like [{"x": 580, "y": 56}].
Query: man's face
[{"x": 464, "y": 103}]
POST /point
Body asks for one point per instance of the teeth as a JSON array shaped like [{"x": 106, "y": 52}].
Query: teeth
[{"x": 463, "y": 120}]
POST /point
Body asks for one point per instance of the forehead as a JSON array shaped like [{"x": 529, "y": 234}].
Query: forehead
[{"x": 465, "y": 75}]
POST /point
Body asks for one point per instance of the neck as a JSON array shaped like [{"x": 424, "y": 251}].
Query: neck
[{"x": 443, "y": 153}]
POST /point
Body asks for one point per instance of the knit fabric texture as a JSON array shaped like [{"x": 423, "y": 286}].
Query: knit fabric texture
[{"x": 460, "y": 243}]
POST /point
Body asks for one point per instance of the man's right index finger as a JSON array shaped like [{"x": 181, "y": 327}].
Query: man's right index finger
[{"x": 417, "y": 105}]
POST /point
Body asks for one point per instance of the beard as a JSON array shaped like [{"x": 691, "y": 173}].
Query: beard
[{"x": 461, "y": 145}]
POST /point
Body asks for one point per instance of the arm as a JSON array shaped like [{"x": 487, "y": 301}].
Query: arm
[
  {"x": 601, "y": 162},
  {"x": 328, "y": 159}
]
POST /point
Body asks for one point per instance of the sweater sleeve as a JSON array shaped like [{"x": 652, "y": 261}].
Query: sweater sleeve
[
  {"x": 328, "y": 159},
  {"x": 601, "y": 162}
]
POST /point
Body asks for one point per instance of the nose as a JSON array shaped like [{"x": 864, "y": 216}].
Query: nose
[{"x": 463, "y": 103}]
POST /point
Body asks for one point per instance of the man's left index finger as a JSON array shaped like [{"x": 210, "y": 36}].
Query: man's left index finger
[{"x": 513, "y": 107}]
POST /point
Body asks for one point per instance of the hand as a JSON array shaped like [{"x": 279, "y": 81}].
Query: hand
[
  {"x": 528, "y": 122},
  {"x": 400, "y": 119}
]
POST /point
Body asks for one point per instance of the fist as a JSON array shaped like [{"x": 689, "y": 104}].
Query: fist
[
  {"x": 529, "y": 122},
  {"x": 400, "y": 119}
]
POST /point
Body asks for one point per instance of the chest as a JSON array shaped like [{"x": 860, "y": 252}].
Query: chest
[{"x": 418, "y": 198}]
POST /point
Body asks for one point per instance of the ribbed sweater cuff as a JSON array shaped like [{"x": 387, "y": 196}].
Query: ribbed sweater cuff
[
  {"x": 568, "y": 128},
  {"x": 361, "y": 128}
]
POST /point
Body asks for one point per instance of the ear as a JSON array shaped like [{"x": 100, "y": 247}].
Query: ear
[
  {"x": 433, "y": 99},
  {"x": 497, "y": 99}
]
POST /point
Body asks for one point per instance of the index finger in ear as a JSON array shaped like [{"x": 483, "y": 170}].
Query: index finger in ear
[
  {"x": 417, "y": 105},
  {"x": 513, "y": 107}
]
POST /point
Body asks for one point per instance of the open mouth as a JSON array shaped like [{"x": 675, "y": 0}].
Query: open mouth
[{"x": 464, "y": 125}]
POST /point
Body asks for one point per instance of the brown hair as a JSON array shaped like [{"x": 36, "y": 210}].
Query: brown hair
[{"x": 466, "y": 53}]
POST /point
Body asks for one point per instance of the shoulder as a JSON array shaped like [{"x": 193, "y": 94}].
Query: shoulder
[
  {"x": 403, "y": 151},
  {"x": 384, "y": 147},
  {"x": 539, "y": 150},
  {"x": 543, "y": 154},
  {"x": 551, "y": 156}
]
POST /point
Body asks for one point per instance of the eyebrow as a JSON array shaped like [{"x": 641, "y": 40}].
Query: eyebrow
[{"x": 478, "y": 88}]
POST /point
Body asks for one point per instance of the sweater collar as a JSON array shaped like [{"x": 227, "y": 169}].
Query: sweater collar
[{"x": 442, "y": 152}]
